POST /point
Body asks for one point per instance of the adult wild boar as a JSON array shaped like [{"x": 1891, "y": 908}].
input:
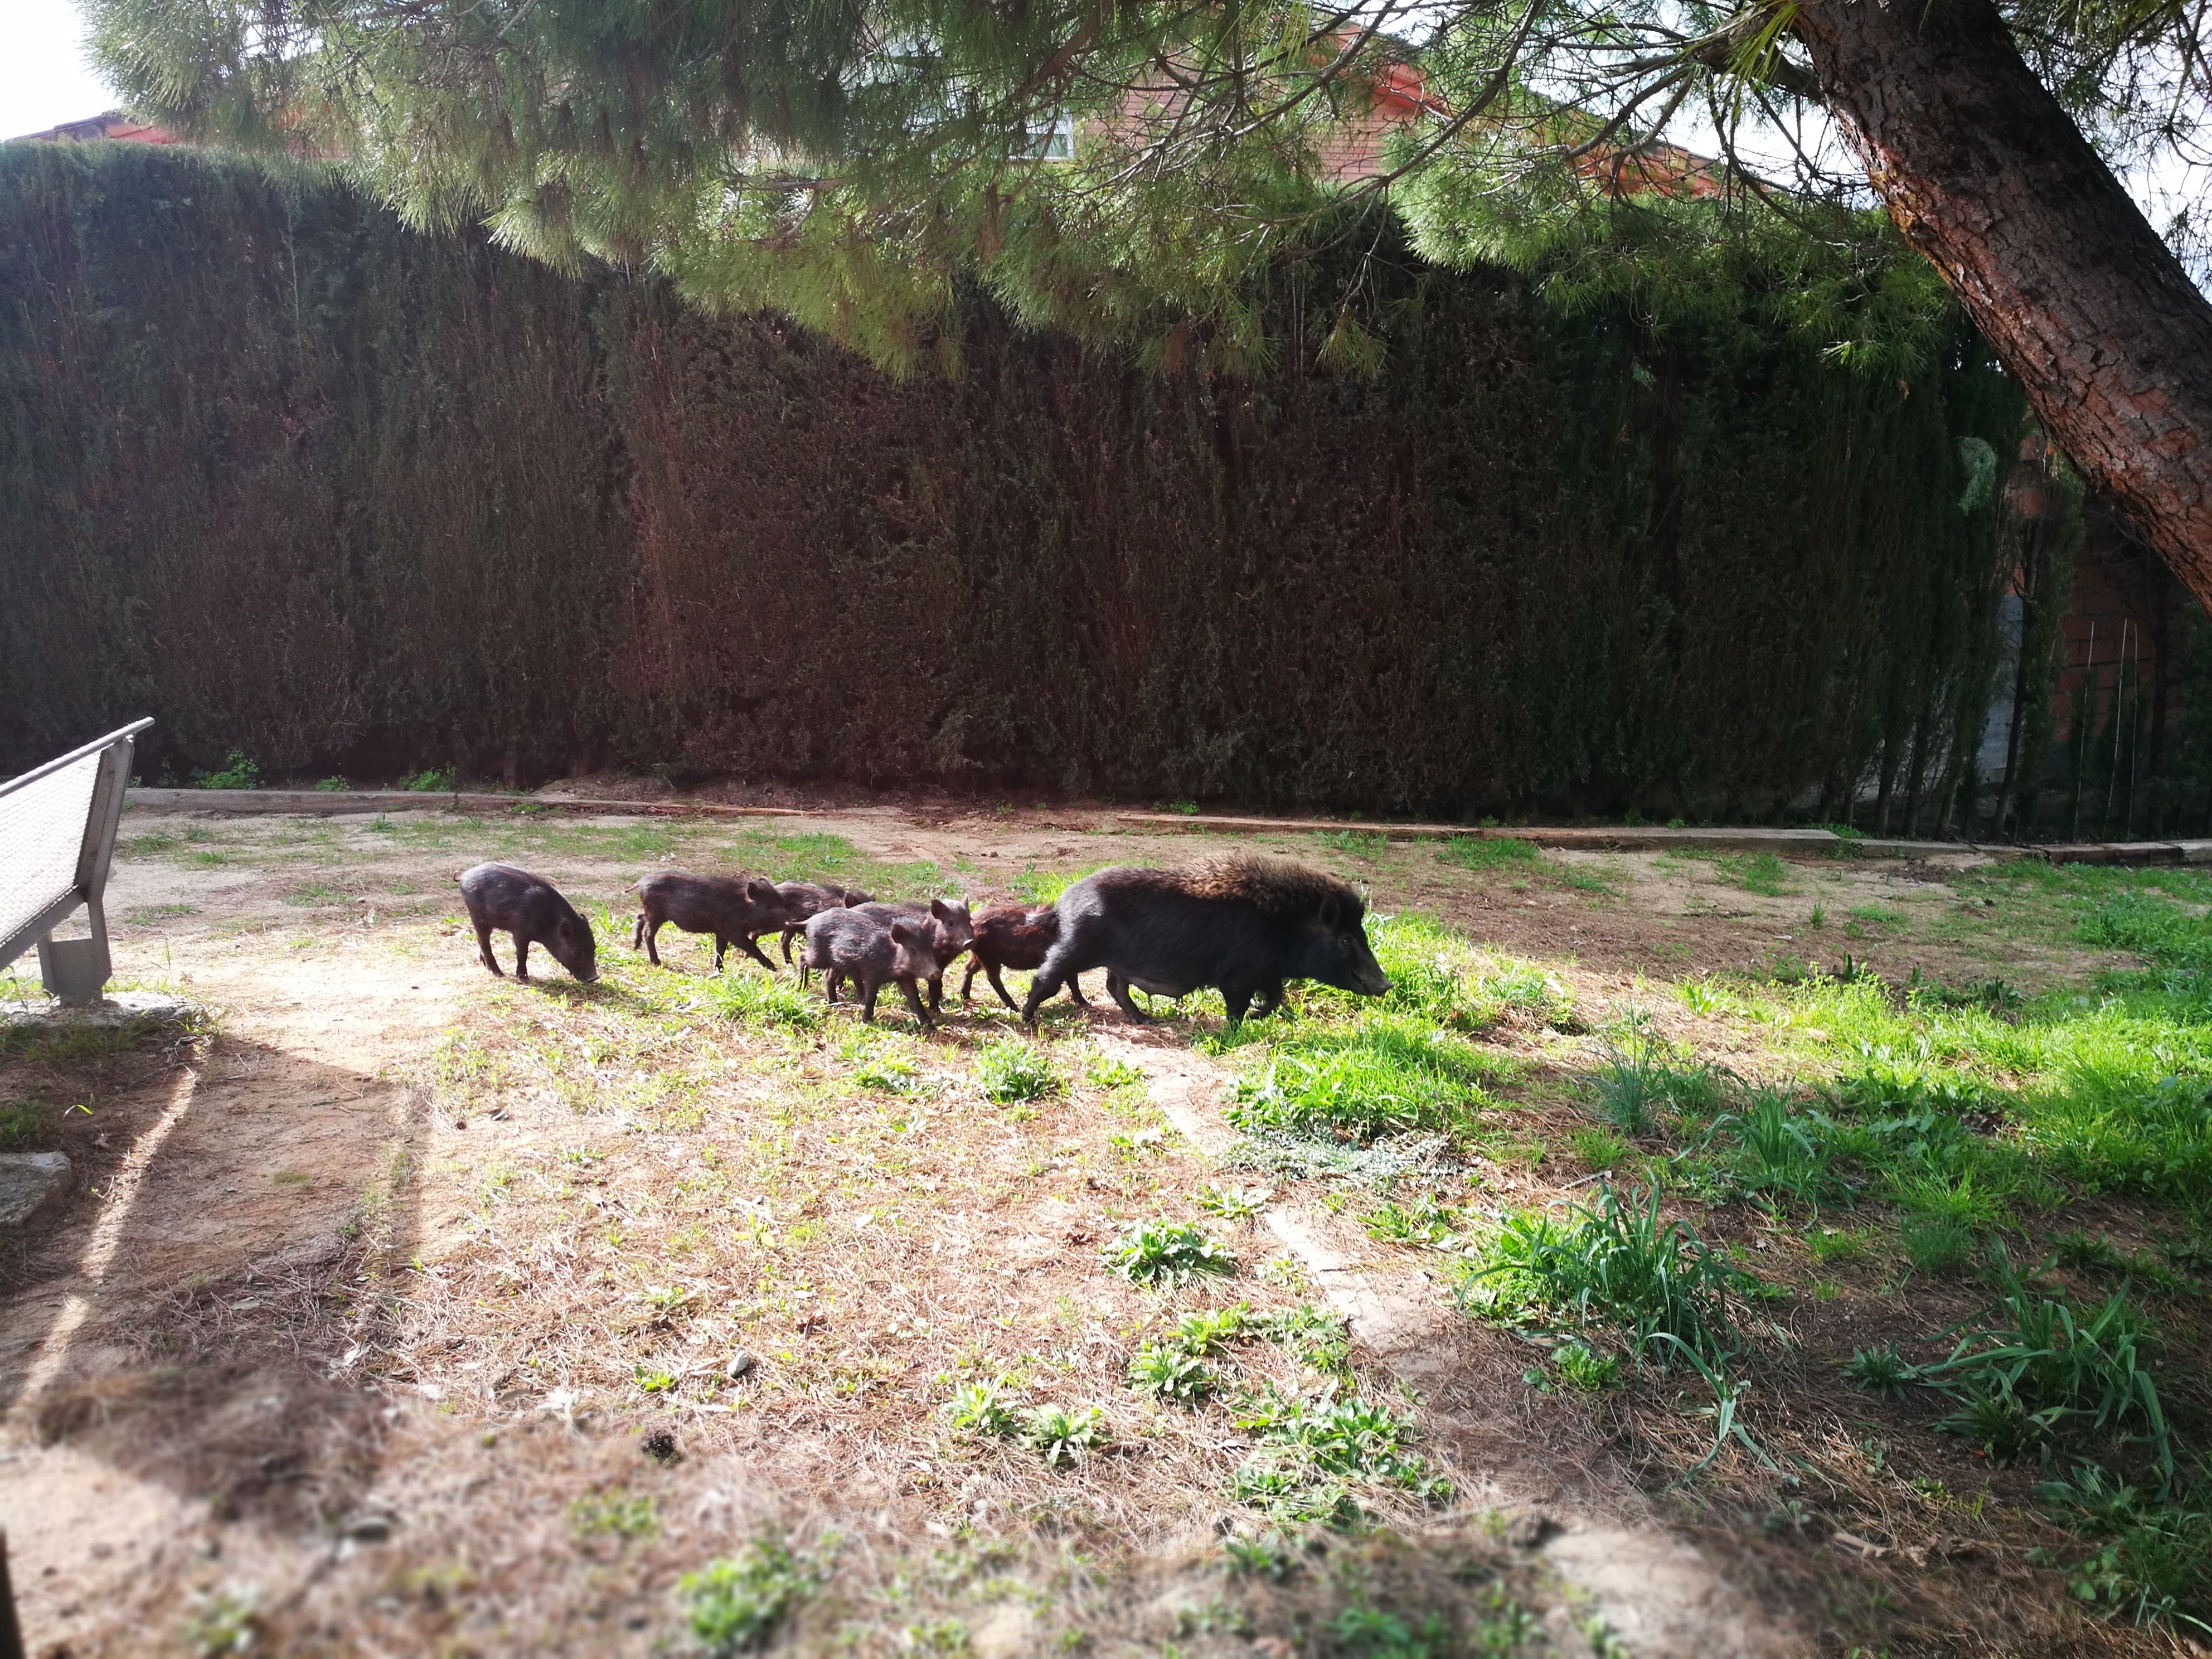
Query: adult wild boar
[{"x": 1245, "y": 924}]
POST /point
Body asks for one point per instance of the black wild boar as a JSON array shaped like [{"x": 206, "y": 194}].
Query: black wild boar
[
  {"x": 846, "y": 944},
  {"x": 1012, "y": 936},
  {"x": 803, "y": 900},
  {"x": 735, "y": 909},
  {"x": 515, "y": 902},
  {"x": 943, "y": 924},
  {"x": 1243, "y": 923}
]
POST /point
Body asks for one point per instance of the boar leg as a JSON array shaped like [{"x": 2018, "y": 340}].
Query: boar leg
[
  {"x": 968, "y": 980},
  {"x": 868, "y": 1002},
  {"x": 831, "y": 979},
  {"x": 1237, "y": 999},
  {"x": 913, "y": 1001},
  {"x": 936, "y": 990},
  {"x": 522, "y": 957},
  {"x": 1075, "y": 990},
  {"x": 652, "y": 949},
  {"x": 484, "y": 944},
  {"x": 1118, "y": 988},
  {"x": 788, "y": 932},
  {"x": 749, "y": 947},
  {"x": 998, "y": 984}
]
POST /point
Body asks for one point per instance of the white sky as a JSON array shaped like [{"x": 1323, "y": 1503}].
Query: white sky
[{"x": 44, "y": 81}]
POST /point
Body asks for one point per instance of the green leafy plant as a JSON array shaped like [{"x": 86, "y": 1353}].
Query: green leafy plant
[
  {"x": 1424, "y": 1221},
  {"x": 1584, "y": 1367},
  {"x": 1233, "y": 1203},
  {"x": 736, "y": 1603},
  {"x": 334, "y": 784},
  {"x": 434, "y": 780},
  {"x": 1880, "y": 1370},
  {"x": 981, "y": 1408},
  {"x": 1172, "y": 1372},
  {"x": 1166, "y": 1252},
  {"x": 226, "y": 1619},
  {"x": 1269, "y": 1556},
  {"x": 2152, "y": 1564},
  {"x": 1060, "y": 1436},
  {"x": 238, "y": 772},
  {"x": 1011, "y": 1071},
  {"x": 1212, "y": 1330},
  {"x": 893, "y": 1074},
  {"x": 1319, "y": 1339}
]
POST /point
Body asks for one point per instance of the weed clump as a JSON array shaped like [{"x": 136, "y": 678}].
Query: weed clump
[
  {"x": 1615, "y": 1263},
  {"x": 1010, "y": 1071},
  {"x": 736, "y": 1604},
  {"x": 1166, "y": 1253}
]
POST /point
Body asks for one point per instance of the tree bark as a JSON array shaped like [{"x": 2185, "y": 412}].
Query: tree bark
[{"x": 2086, "y": 307}]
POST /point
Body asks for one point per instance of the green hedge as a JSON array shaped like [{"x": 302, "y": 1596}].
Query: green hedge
[{"x": 298, "y": 481}]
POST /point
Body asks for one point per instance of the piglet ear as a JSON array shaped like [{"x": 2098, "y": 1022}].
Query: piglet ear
[
  {"x": 900, "y": 935},
  {"x": 940, "y": 909}
]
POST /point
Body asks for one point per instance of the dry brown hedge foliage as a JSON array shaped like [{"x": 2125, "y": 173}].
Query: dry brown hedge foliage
[{"x": 302, "y": 484}]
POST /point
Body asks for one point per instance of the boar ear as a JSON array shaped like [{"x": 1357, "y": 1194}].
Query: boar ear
[
  {"x": 1332, "y": 914},
  {"x": 900, "y": 935}
]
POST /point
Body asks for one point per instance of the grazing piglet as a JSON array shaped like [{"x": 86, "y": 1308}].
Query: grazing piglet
[
  {"x": 1012, "y": 936},
  {"x": 1243, "y": 923},
  {"x": 515, "y": 902},
  {"x": 944, "y": 926},
  {"x": 735, "y": 909},
  {"x": 803, "y": 900},
  {"x": 844, "y": 943}
]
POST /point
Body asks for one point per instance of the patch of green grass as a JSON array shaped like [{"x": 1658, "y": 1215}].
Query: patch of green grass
[
  {"x": 1383, "y": 1074},
  {"x": 22, "y": 1123},
  {"x": 1616, "y": 1263},
  {"x": 1166, "y": 1253},
  {"x": 1011, "y": 1071},
  {"x": 1773, "y": 1150},
  {"x": 757, "y": 1000},
  {"x": 432, "y": 780},
  {"x": 736, "y": 1604},
  {"x": 1640, "y": 1079},
  {"x": 1598, "y": 1149},
  {"x": 1758, "y": 873},
  {"x": 1878, "y": 916},
  {"x": 1307, "y": 1450},
  {"x": 1425, "y": 1221},
  {"x": 1489, "y": 852},
  {"x": 2153, "y": 1562},
  {"x": 2035, "y": 1364}
]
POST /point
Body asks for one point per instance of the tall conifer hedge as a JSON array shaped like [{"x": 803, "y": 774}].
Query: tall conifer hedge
[{"x": 301, "y": 483}]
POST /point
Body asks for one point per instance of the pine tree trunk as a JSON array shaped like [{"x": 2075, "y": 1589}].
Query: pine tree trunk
[{"x": 1989, "y": 179}]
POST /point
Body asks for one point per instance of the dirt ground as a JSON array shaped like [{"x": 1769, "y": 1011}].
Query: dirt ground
[{"x": 371, "y": 1293}]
